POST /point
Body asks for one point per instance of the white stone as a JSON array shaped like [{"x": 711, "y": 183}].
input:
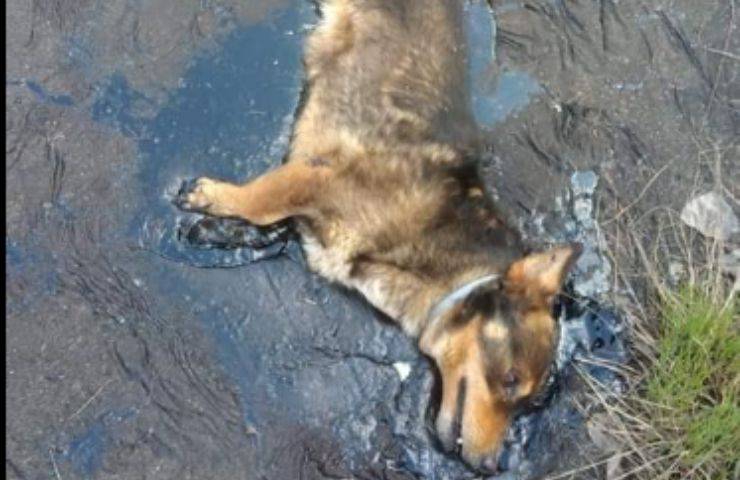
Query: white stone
[
  {"x": 711, "y": 215},
  {"x": 403, "y": 369}
]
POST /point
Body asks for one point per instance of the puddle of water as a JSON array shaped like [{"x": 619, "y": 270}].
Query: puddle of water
[
  {"x": 495, "y": 95},
  {"x": 513, "y": 91},
  {"x": 43, "y": 96},
  {"x": 86, "y": 451},
  {"x": 29, "y": 274},
  {"x": 230, "y": 118},
  {"x": 480, "y": 35}
]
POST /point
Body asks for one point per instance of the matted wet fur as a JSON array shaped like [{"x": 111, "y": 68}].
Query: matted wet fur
[{"x": 382, "y": 183}]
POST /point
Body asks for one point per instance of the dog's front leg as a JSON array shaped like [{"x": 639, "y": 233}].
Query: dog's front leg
[{"x": 287, "y": 191}]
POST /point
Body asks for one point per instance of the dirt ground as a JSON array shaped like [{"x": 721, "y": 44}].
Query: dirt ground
[{"x": 133, "y": 353}]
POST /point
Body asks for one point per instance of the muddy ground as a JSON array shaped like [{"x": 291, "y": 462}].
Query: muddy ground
[{"x": 133, "y": 352}]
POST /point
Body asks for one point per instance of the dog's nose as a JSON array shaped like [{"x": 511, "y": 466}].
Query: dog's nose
[{"x": 490, "y": 464}]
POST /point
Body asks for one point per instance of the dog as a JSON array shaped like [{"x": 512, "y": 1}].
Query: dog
[{"x": 382, "y": 185}]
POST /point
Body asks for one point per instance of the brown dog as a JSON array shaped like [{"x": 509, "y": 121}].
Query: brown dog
[{"x": 381, "y": 181}]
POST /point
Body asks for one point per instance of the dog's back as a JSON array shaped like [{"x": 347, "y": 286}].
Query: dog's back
[
  {"x": 388, "y": 114},
  {"x": 388, "y": 74}
]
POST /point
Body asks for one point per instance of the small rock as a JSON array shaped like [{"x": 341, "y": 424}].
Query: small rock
[
  {"x": 403, "y": 369},
  {"x": 711, "y": 215}
]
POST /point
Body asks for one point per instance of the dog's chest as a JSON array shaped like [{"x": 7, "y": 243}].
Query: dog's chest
[{"x": 335, "y": 263}]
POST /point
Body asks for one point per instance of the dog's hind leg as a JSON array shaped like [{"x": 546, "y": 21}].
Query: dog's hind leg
[{"x": 287, "y": 191}]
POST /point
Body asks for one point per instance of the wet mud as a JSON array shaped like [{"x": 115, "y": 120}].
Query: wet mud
[{"x": 147, "y": 342}]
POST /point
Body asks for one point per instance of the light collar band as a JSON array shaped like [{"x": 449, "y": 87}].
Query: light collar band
[{"x": 458, "y": 295}]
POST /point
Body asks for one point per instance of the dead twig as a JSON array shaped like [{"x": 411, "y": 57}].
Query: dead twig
[
  {"x": 89, "y": 400},
  {"x": 647, "y": 186}
]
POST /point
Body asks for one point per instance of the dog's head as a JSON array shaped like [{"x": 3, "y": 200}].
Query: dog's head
[{"x": 493, "y": 351}]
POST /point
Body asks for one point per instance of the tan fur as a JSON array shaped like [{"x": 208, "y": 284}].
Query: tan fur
[{"x": 380, "y": 181}]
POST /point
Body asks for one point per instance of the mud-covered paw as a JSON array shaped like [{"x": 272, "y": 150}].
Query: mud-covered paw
[
  {"x": 198, "y": 195},
  {"x": 224, "y": 233}
]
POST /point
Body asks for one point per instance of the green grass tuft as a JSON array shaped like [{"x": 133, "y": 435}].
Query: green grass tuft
[{"x": 696, "y": 381}]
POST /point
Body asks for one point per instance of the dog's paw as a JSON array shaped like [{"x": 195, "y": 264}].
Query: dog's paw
[
  {"x": 198, "y": 195},
  {"x": 228, "y": 234}
]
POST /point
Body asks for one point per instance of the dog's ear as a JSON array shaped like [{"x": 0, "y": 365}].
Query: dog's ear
[{"x": 539, "y": 276}]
